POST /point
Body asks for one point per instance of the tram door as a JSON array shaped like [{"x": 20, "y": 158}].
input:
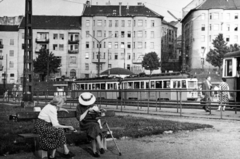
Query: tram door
[{"x": 238, "y": 80}]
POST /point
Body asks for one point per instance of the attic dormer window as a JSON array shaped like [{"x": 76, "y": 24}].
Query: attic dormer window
[{"x": 114, "y": 12}]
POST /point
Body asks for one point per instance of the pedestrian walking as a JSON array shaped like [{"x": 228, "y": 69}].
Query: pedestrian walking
[
  {"x": 14, "y": 92},
  {"x": 5, "y": 97},
  {"x": 207, "y": 87},
  {"x": 224, "y": 94}
]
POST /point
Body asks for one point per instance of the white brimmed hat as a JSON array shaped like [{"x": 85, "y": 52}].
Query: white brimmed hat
[{"x": 86, "y": 99}]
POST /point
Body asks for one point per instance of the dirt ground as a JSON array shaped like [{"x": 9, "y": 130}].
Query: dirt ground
[{"x": 221, "y": 142}]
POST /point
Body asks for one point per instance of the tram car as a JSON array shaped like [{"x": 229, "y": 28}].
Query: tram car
[
  {"x": 161, "y": 87},
  {"x": 231, "y": 71},
  {"x": 94, "y": 84}
]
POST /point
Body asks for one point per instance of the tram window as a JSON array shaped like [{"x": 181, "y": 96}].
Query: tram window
[
  {"x": 115, "y": 85},
  {"x": 78, "y": 86},
  {"x": 184, "y": 84},
  {"x": 98, "y": 86},
  {"x": 158, "y": 84},
  {"x": 125, "y": 85},
  {"x": 89, "y": 86},
  {"x": 174, "y": 84},
  {"x": 86, "y": 86},
  {"x": 178, "y": 84},
  {"x": 82, "y": 86},
  {"x": 228, "y": 68},
  {"x": 130, "y": 85},
  {"x": 238, "y": 66},
  {"x": 147, "y": 85},
  {"x": 93, "y": 86},
  {"x": 103, "y": 86},
  {"x": 166, "y": 84},
  {"x": 152, "y": 84},
  {"x": 136, "y": 85},
  {"x": 192, "y": 84},
  {"x": 142, "y": 85}
]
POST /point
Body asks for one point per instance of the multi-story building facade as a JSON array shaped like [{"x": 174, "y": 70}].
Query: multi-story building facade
[
  {"x": 61, "y": 36},
  {"x": 9, "y": 53},
  {"x": 203, "y": 24},
  {"x": 126, "y": 34},
  {"x": 169, "y": 60}
]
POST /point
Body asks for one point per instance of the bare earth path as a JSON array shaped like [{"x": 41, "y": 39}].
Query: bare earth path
[{"x": 221, "y": 142}]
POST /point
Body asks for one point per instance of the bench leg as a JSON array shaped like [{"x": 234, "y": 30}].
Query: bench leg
[{"x": 37, "y": 152}]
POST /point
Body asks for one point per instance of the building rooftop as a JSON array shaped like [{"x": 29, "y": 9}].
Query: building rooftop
[
  {"x": 114, "y": 10},
  {"x": 9, "y": 28},
  {"x": 220, "y": 4},
  {"x": 54, "y": 22}
]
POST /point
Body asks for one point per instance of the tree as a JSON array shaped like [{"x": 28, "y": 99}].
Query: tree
[
  {"x": 234, "y": 47},
  {"x": 151, "y": 62},
  {"x": 41, "y": 63},
  {"x": 215, "y": 56}
]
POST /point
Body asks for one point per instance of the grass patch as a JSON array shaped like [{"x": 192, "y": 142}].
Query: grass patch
[{"x": 133, "y": 127}]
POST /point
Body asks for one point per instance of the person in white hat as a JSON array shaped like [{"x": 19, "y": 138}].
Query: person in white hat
[
  {"x": 88, "y": 122},
  {"x": 51, "y": 133}
]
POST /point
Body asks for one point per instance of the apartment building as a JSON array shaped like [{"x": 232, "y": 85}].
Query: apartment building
[
  {"x": 61, "y": 36},
  {"x": 202, "y": 24},
  {"x": 126, "y": 34},
  {"x": 170, "y": 61},
  {"x": 9, "y": 53}
]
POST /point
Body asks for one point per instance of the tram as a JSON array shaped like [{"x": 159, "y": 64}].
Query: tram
[
  {"x": 161, "y": 87},
  {"x": 231, "y": 71}
]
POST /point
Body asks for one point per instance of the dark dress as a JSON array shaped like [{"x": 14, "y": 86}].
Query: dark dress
[{"x": 89, "y": 123}]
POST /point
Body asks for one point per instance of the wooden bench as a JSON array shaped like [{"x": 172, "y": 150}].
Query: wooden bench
[{"x": 31, "y": 116}]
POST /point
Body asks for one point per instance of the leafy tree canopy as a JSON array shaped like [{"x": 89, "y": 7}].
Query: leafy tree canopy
[
  {"x": 151, "y": 61},
  {"x": 41, "y": 62},
  {"x": 234, "y": 47}
]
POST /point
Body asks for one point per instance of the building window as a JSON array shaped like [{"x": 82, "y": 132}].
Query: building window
[
  {"x": 152, "y": 34},
  {"x": 109, "y": 55},
  {"x": 122, "y": 34},
  {"x": 122, "y": 45},
  {"x": 145, "y": 45},
  {"x": 104, "y": 45},
  {"x": 134, "y": 45},
  {"x": 129, "y": 45},
  {"x": 152, "y": 23},
  {"x": 87, "y": 22},
  {"x": 128, "y": 56},
  {"x": 11, "y": 53},
  {"x": 93, "y": 55},
  {"x": 110, "y": 23},
  {"x": 123, "y": 23},
  {"x": 215, "y": 27},
  {"x": 116, "y": 23},
  {"x": 105, "y": 34},
  {"x": 152, "y": 45},
  {"x": 210, "y": 38},
  {"x": 210, "y": 16},
  {"x": 228, "y": 16},
  {"x": 87, "y": 45},
  {"x": 129, "y": 34},
  {"x": 61, "y": 47},
  {"x": 134, "y": 34},
  {"x": 12, "y": 75},
  {"x": 86, "y": 75},
  {"x": 116, "y": 56},
  {"x": 72, "y": 60},
  {"x": 228, "y": 27},
  {"x": 86, "y": 55},
  {"x": 61, "y": 36},
  {"x": 86, "y": 66},
  {"x": 236, "y": 27},
  {"x": 93, "y": 22},
  {"x": 55, "y": 36},
  {"x": 116, "y": 34},
  {"x": 105, "y": 23},
  {"x": 11, "y": 41},
  {"x": 145, "y": 23},
  {"x": 140, "y": 23},
  {"x": 236, "y": 16},
  {"x": 87, "y": 34},
  {"x": 129, "y": 23},
  {"x": 203, "y": 27},
  {"x": 128, "y": 66},
  {"x": 99, "y": 23},
  {"x": 203, "y": 38},
  {"x": 215, "y": 16},
  {"x": 133, "y": 56},
  {"x": 116, "y": 45},
  {"x": 55, "y": 46},
  {"x": 139, "y": 45},
  {"x": 110, "y": 33},
  {"x": 11, "y": 64},
  {"x": 122, "y": 56},
  {"x": 235, "y": 38},
  {"x": 203, "y": 16},
  {"x": 139, "y": 34},
  {"x": 109, "y": 66},
  {"x": 109, "y": 44},
  {"x": 210, "y": 26},
  {"x": 134, "y": 23},
  {"x": 99, "y": 33},
  {"x": 228, "y": 38}
]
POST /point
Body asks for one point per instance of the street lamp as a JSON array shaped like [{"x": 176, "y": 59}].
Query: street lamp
[
  {"x": 99, "y": 43},
  {"x": 183, "y": 43}
]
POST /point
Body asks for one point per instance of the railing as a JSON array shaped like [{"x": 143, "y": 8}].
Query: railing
[
  {"x": 149, "y": 100},
  {"x": 73, "y": 41},
  {"x": 42, "y": 40},
  {"x": 73, "y": 51}
]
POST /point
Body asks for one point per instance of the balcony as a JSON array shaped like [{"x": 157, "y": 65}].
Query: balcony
[
  {"x": 42, "y": 40},
  {"x": 1, "y": 46},
  {"x": 1, "y": 57},
  {"x": 73, "y": 51},
  {"x": 101, "y": 60},
  {"x": 73, "y": 41}
]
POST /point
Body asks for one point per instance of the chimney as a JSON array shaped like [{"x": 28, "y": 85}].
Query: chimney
[
  {"x": 120, "y": 8},
  {"x": 139, "y": 3}
]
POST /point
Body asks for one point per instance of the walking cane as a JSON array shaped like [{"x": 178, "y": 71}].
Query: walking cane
[{"x": 120, "y": 154}]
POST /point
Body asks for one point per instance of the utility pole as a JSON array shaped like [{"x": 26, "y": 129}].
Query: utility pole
[
  {"x": 99, "y": 44},
  {"x": 28, "y": 53}
]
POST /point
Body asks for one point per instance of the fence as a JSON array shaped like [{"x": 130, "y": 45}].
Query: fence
[{"x": 149, "y": 98}]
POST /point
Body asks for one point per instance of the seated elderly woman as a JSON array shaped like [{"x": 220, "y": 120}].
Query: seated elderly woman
[
  {"x": 89, "y": 123},
  {"x": 51, "y": 133}
]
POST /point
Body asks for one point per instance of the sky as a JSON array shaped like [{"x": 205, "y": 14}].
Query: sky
[{"x": 74, "y": 7}]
